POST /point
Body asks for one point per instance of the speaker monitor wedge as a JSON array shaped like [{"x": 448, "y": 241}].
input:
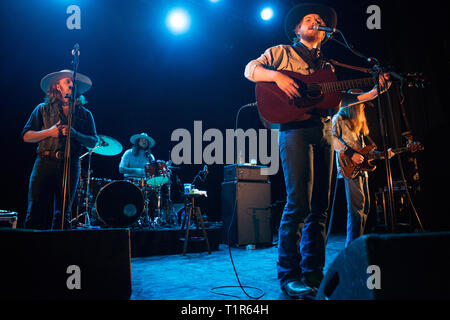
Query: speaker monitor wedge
[
  {"x": 390, "y": 266},
  {"x": 65, "y": 264}
]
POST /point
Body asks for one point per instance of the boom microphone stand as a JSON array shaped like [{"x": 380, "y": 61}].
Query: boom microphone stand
[{"x": 67, "y": 160}]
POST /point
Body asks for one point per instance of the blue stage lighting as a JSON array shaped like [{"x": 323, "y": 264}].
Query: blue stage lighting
[
  {"x": 178, "y": 21},
  {"x": 267, "y": 14}
]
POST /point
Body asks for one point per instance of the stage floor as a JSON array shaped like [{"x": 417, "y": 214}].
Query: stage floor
[{"x": 196, "y": 275}]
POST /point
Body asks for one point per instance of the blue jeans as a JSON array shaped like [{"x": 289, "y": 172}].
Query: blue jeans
[
  {"x": 307, "y": 160},
  {"x": 45, "y": 194},
  {"x": 358, "y": 203}
]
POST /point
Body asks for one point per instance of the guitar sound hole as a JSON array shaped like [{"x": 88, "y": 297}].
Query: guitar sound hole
[{"x": 313, "y": 90}]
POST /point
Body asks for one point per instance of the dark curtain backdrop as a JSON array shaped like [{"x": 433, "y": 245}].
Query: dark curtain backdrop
[{"x": 147, "y": 80}]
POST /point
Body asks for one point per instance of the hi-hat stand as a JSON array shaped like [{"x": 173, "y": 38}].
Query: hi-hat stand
[{"x": 87, "y": 207}]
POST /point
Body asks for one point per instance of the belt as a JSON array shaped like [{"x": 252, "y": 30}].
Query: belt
[{"x": 59, "y": 155}]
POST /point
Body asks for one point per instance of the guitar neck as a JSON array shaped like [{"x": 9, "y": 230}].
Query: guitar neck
[
  {"x": 345, "y": 85},
  {"x": 381, "y": 154}
]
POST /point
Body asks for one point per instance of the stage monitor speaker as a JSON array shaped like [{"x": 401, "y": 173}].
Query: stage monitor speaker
[
  {"x": 251, "y": 221},
  {"x": 65, "y": 264},
  {"x": 390, "y": 266}
]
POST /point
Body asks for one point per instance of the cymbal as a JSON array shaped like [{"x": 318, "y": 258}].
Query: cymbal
[{"x": 107, "y": 146}]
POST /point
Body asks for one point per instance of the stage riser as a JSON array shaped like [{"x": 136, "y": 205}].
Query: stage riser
[{"x": 146, "y": 243}]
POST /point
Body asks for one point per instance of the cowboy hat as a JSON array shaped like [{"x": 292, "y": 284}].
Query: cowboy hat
[
  {"x": 83, "y": 82},
  {"x": 143, "y": 135},
  {"x": 296, "y": 14}
]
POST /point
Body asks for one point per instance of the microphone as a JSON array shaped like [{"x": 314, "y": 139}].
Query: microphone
[
  {"x": 76, "y": 49},
  {"x": 205, "y": 169},
  {"x": 326, "y": 29}
]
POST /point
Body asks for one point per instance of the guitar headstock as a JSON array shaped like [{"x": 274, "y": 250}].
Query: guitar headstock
[
  {"x": 415, "y": 146},
  {"x": 415, "y": 79}
]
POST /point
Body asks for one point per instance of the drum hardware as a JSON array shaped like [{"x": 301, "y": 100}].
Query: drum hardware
[
  {"x": 157, "y": 173},
  {"x": 123, "y": 211},
  {"x": 117, "y": 204},
  {"x": 105, "y": 146}
]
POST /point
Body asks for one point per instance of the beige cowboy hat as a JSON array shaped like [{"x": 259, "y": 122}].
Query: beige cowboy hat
[
  {"x": 143, "y": 135},
  {"x": 296, "y": 14},
  {"x": 83, "y": 82}
]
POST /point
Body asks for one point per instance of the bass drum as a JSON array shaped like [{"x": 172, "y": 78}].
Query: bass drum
[{"x": 119, "y": 204}]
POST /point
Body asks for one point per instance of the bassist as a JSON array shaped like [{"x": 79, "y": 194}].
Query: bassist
[{"x": 349, "y": 127}]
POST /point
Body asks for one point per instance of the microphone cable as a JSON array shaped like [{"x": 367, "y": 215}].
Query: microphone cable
[{"x": 228, "y": 240}]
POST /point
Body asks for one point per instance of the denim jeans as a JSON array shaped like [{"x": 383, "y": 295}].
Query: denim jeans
[
  {"x": 307, "y": 159},
  {"x": 45, "y": 194},
  {"x": 358, "y": 203}
]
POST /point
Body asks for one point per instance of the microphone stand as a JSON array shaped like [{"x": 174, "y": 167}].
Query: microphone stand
[
  {"x": 377, "y": 69},
  {"x": 67, "y": 160}
]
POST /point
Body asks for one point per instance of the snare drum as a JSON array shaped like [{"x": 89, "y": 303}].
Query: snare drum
[
  {"x": 156, "y": 173},
  {"x": 120, "y": 204}
]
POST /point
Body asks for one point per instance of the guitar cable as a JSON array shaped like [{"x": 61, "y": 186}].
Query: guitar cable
[{"x": 229, "y": 245}]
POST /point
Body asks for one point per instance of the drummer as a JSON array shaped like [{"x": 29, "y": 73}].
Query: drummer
[{"x": 132, "y": 164}]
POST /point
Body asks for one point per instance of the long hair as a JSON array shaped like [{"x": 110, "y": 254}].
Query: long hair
[
  {"x": 137, "y": 148},
  {"x": 356, "y": 117},
  {"x": 53, "y": 94}
]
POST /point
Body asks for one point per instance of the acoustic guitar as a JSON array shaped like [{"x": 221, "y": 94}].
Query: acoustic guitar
[{"x": 319, "y": 90}]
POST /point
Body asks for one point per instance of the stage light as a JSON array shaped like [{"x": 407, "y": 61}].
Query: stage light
[
  {"x": 266, "y": 13},
  {"x": 178, "y": 21},
  {"x": 214, "y": 1}
]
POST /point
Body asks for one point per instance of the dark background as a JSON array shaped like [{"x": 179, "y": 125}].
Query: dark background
[{"x": 148, "y": 80}]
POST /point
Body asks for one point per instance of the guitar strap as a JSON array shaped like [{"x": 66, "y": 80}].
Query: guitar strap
[
  {"x": 343, "y": 65},
  {"x": 371, "y": 141},
  {"x": 313, "y": 57},
  {"x": 362, "y": 137},
  {"x": 345, "y": 144}
]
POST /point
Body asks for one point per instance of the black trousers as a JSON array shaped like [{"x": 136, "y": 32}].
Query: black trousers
[{"x": 45, "y": 194}]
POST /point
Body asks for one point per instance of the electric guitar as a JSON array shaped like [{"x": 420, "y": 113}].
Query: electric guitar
[
  {"x": 351, "y": 169},
  {"x": 319, "y": 90}
]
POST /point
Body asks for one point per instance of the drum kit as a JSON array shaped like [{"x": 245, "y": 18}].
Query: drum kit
[{"x": 133, "y": 202}]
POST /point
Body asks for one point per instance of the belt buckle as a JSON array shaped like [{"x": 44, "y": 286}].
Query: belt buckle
[{"x": 58, "y": 155}]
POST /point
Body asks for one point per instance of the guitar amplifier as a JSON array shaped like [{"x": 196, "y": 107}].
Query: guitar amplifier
[
  {"x": 244, "y": 172},
  {"x": 246, "y": 212}
]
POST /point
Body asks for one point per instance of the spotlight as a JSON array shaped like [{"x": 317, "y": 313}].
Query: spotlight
[
  {"x": 267, "y": 14},
  {"x": 178, "y": 21}
]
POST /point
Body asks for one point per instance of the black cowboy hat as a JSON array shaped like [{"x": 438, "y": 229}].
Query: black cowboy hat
[{"x": 296, "y": 14}]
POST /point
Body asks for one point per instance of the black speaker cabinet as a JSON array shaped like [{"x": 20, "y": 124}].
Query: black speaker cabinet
[
  {"x": 246, "y": 212},
  {"x": 390, "y": 266},
  {"x": 65, "y": 264}
]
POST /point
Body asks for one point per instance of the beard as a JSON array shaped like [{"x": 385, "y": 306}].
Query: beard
[{"x": 312, "y": 37}]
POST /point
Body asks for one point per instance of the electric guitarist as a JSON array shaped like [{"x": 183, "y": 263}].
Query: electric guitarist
[{"x": 349, "y": 128}]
